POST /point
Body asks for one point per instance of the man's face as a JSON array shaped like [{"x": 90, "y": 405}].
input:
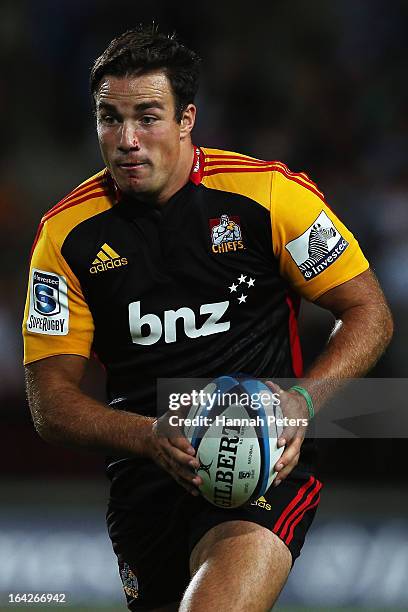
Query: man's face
[{"x": 138, "y": 133}]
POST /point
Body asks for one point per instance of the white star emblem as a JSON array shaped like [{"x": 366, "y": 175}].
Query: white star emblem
[
  {"x": 233, "y": 287},
  {"x": 242, "y": 298},
  {"x": 242, "y": 279},
  {"x": 251, "y": 282}
]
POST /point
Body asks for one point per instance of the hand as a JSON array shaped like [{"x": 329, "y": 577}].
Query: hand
[
  {"x": 293, "y": 407},
  {"x": 170, "y": 449}
]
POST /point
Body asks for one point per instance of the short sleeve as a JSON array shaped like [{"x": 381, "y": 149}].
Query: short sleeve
[
  {"x": 316, "y": 251},
  {"x": 57, "y": 319}
]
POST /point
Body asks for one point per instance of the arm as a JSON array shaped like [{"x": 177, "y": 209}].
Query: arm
[
  {"x": 219, "y": 235},
  {"x": 362, "y": 331},
  {"x": 64, "y": 415}
]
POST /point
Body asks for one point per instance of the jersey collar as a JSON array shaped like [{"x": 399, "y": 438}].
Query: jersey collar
[
  {"x": 197, "y": 168},
  {"x": 195, "y": 177}
]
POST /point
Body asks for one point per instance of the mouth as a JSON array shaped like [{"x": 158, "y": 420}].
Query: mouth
[{"x": 131, "y": 165}]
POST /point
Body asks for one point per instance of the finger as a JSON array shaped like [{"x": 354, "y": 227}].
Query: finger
[
  {"x": 174, "y": 434},
  {"x": 183, "y": 458},
  {"x": 185, "y": 408},
  {"x": 190, "y": 488},
  {"x": 183, "y": 474},
  {"x": 181, "y": 443},
  {"x": 185, "y": 477},
  {"x": 178, "y": 459},
  {"x": 288, "y": 434},
  {"x": 284, "y": 473},
  {"x": 190, "y": 484},
  {"x": 174, "y": 428},
  {"x": 273, "y": 386},
  {"x": 291, "y": 450}
]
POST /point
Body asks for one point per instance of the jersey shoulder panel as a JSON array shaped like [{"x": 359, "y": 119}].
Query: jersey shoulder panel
[
  {"x": 288, "y": 182},
  {"x": 237, "y": 173},
  {"x": 223, "y": 155},
  {"x": 93, "y": 196},
  {"x": 316, "y": 251},
  {"x": 57, "y": 319},
  {"x": 249, "y": 176}
]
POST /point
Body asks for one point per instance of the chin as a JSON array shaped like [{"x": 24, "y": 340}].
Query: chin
[
  {"x": 132, "y": 186},
  {"x": 137, "y": 190}
]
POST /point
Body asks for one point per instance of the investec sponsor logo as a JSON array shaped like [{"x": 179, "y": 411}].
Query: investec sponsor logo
[
  {"x": 48, "y": 311},
  {"x": 107, "y": 259},
  {"x": 149, "y": 328},
  {"x": 318, "y": 247}
]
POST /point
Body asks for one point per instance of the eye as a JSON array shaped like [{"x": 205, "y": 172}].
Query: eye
[
  {"x": 108, "y": 119},
  {"x": 148, "y": 120}
]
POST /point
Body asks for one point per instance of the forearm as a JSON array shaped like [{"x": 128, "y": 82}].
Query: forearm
[
  {"x": 73, "y": 419},
  {"x": 357, "y": 342}
]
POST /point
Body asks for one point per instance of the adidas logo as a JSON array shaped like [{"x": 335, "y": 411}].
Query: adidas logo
[
  {"x": 107, "y": 259},
  {"x": 262, "y": 503}
]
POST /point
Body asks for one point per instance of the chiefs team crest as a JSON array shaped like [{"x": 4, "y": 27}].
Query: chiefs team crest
[
  {"x": 226, "y": 235},
  {"x": 129, "y": 580}
]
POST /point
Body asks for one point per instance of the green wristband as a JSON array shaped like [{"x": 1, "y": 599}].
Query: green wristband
[{"x": 307, "y": 397}]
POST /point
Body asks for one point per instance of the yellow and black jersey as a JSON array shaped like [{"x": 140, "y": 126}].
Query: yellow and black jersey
[{"x": 206, "y": 285}]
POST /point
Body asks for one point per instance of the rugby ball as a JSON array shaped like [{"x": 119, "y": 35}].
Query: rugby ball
[{"x": 234, "y": 426}]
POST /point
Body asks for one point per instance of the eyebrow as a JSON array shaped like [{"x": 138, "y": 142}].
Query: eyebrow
[{"x": 142, "y": 106}]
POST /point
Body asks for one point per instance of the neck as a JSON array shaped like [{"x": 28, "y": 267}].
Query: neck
[{"x": 181, "y": 175}]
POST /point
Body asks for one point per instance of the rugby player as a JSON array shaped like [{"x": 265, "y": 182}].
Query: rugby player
[{"x": 130, "y": 265}]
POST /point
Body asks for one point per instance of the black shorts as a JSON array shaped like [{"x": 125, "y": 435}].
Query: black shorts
[{"x": 154, "y": 525}]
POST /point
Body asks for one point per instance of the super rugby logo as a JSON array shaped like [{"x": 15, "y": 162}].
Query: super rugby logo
[
  {"x": 48, "y": 311},
  {"x": 46, "y": 293},
  {"x": 148, "y": 329},
  {"x": 226, "y": 235}
]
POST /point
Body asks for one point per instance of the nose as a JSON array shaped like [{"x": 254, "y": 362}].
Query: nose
[{"x": 129, "y": 140}]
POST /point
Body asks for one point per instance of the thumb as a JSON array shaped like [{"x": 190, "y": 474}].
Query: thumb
[{"x": 273, "y": 386}]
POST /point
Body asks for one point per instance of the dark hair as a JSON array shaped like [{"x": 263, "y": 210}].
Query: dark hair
[{"x": 144, "y": 49}]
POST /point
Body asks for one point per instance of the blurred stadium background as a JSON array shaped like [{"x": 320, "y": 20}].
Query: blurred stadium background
[{"x": 319, "y": 85}]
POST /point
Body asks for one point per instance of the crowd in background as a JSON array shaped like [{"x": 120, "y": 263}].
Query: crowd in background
[{"x": 318, "y": 85}]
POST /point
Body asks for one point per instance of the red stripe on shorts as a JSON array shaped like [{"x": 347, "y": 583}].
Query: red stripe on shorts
[
  {"x": 293, "y": 503},
  {"x": 299, "y": 518},
  {"x": 311, "y": 495}
]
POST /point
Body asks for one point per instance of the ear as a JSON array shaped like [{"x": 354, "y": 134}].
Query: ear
[{"x": 187, "y": 121}]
